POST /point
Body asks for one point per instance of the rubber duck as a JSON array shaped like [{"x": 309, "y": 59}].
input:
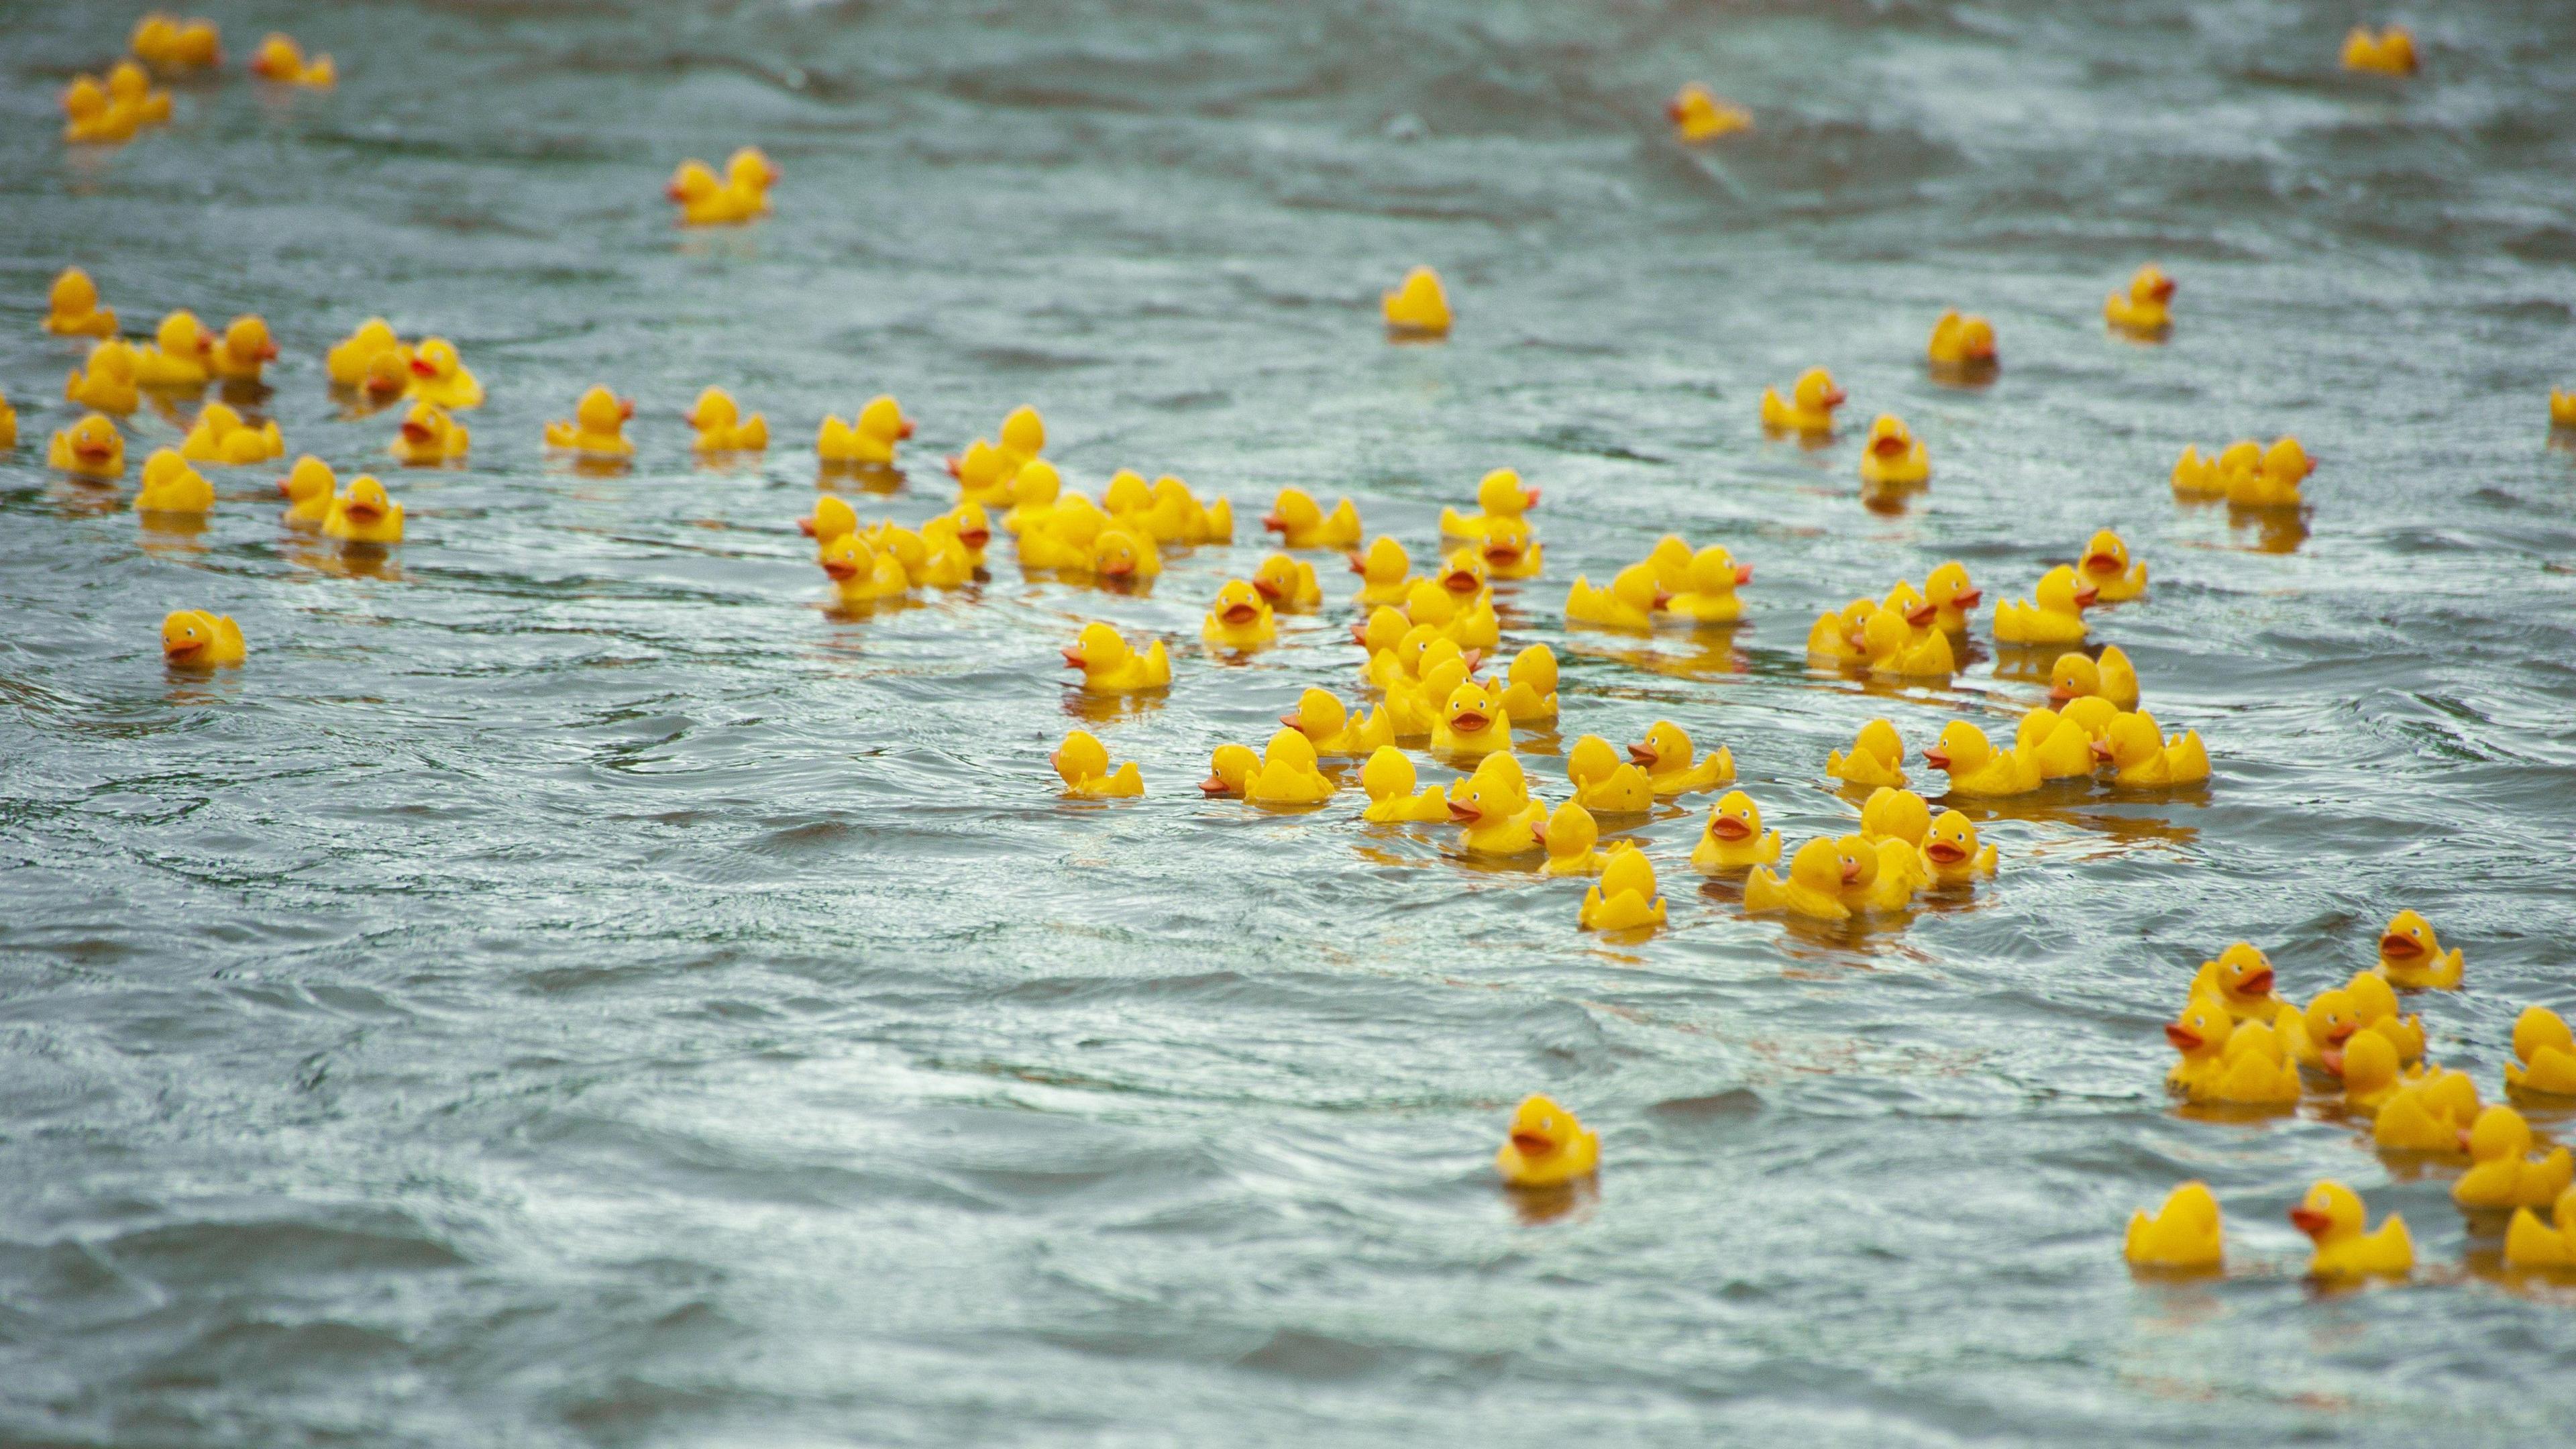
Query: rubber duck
[
  {"x": 1547, "y": 1147},
  {"x": 2274, "y": 483},
  {"x": 200, "y": 639},
  {"x": 1665, "y": 754},
  {"x": 1239, "y": 619},
  {"x": 171, "y": 486},
  {"x": 219, "y": 435},
  {"x": 1385, "y": 573},
  {"x": 428, "y": 437},
  {"x": 2141, "y": 758},
  {"x": 1418, "y": 306},
  {"x": 1733, "y": 839},
  {"x": 982, "y": 477},
  {"x": 2060, "y": 745},
  {"x": 721, "y": 426},
  {"x": 88, "y": 118},
  {"x": 1121, "y": 554},
  {"x": 2374, "y": 1004},
  {"x": 2502, "y": 1172},
  {"x": 2185, "y": 1235},
  {"x": 8, "y": 425},
  {"x": 2332, "y": 1215},
  {"x": 1893, "y": 457},
  {"x": 1300, "y": 522},
  {"x": 1951, "y": 596},
  {"x": 1962, "y": 343},
  {"x": 2411, "y": 956},
  {"x": 2224, "y": 1062},
  {"x": 598, "y": 425},
  {"x": 1708, "y": 592},
  {"x": 950, "y": 564},
  {"x": 869, "y": 440},
  {"x": 1386, "y": 628},
  {"x": 1414, "y": 704},
  {"x": 2053, "y": 615},
  {"x": 2105, "y": 565},
  {"x": 1818, "y": 874},
  {"x": 1471, "y": 721},
  {"x": 1083, "y": 763},
  {"x": 2147, "y": 308},
  {"x": 2111, "y": 678},
  {"x": 1389, "y": 780},
  {"x": 1463, "y": 576},
  {"x": 72, "y": 309},
  {"x": 1231, "y": 767},
  {"x": 1890, "y": 873},
  {"x": 1810, "y": 409},
  {"x": 1034, "y": 491},
  {"x": 2241, "y": 980},
  {"x": 363, "y": 514},
  {"x": 1569, "y": 835},
  {"x": 1877, "y": 757},
  {"x": 2546, "y": 1052},
  {"x": 1023, "y": 435},
  {"x": 351, "y": 361},
  {"x": 831, "y": 518},
  {"x": 1951, "y": 850},
  {"x": 1529, "y": 686},
  {"x": 90, "y": 448},
  {"x": 1625, "y": 898},
  {"x": 1289, "y": 584},
  {"x": 2370, "y": 1073},
  {"x": 246, "y": 348},
  {"x": 1604, "y": 783},
  {"x": 1288, "y": 775},
  {"x": 2562, "y": 404},
  {"x": 165, "y": 42},
  {"x": 178, "y": 355},
  {"x": 1840, "y": 637},
  {"x": 1895, "y": 649},
  {"x": 1494, "y": 809},
  {"x": 2429, "y": 1114},
  {"x": 1499, "y": 495},
  {"x": 1698, "y": 115},
  {"x": 107, "y": 383},
  {"x": 972, "y": 528},
  {"x": 1468, "y": 619},
  {"x": 2197, "y": 477},
  {"x": 1109, "y": 666},
  {"x": 1511, "y": 551},
  {"x": 749, "y": 169},
  {"x": 309, "y": 489},
  {"x": 2390, "y": 52},
  {"x": 438, "y": 375},
  {"x": 1208, "y": 520},
  {"x": 280, "y": 61},
  {"x": 1894, "y": 814},
  {"x": 1064, "y": 537},
  {"x": 2530, "y": 1244},
  {"x": 861, "y": 573},
  {"x": 705, "y": 200},
  {"x": 1334, "y": 730},
  {"x": 1976, "y": 767},
  {"x": 1629, "y": 603},
  {"x": 130, "y": 89},
  {"x": 2316, "y": 1033}
]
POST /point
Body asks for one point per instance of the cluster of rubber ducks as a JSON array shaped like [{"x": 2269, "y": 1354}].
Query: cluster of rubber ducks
[
  {"x": 115, "y": 110},
  {"x": 739, "y": 196}
]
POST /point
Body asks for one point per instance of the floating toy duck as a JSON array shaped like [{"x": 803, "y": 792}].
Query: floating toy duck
[
  {"x": 869, "y": 441},
  {"x": 1418, "y": 307},
  {"x": 2390, "y": 52},
  {"x": 1124, "y": 555},
  {"x": 1733, "y": 840},
  {"x": 90, "y": 448},
  {"x": 1415, "y": 705},
  {"x": 982, "y": 476},
  {"x": 1951, "y": 595},
  {"x": 1547, "y": 1147},
  {"x": 370, "y": 359},
  {"x": 1494, "y": 808},
  {"x": 1385, "y": 573},
  {"x": 165, "y": 42},
  {"x": 1288, "y": 583},
  {"x": 90, "y": 120},
  {"x": 1529, "y": 687},
  {"x": 2370, "y": 1073},
  {"x": 2502, "y": 1172},
  {"x": 2241, "y": 979},
  {"x": 2053, "y": 615},
  {"x": 1709, "y": 585},
  {"x": 1463, "y": 577},
  {"x": 171, "y": 486},
  {"x": 199, "y": 639},
  {"x": 1472, "y": 624},
  {"x": 1203, "y": 520},
  {"x": 2183, "y": 1236},
  {"x": 2060, "y": 745},
  {"x": 721, "y": 426},
  {"x": 129, "y": 89},
  {"x": 1109, "y": 666},
  {"x": 1665, "y": 755},
  {"x": 1877, "y": 758},
  {"x": 1239, "y": 619},
  {"x": 831, "y": 518},
  {"x": 1698, "y": 115},
  {"x": 1962, "y": 343},
  {"x": 364, "y": 514},
  {"x": 1500, "y": 495},
  {"x": 1301, "y": 522},
  {"x": 1629, "y": 603},
  {"x": 2546, "y": 1052},
  {"x": 1288, "y": 775},
  {"x": 1604, "y": 783},
  {"x": 2411, "y": 956},
  {"x": 1976, "y": 767},
  {"x": 2110, "y": 678},
  {"x": 2147, "y": 308},
  {"x": 1385, "y": 630},
  {"x": 598, "y": 425},
  {"x": 1062, "y": 538},
  {"x": 2107, "y": 568},
  {"x": 951, "y": 564},
  {"x": 8, "y": 425},
  {"x": 860, "y": 572},
  {"x": 1839, "y": 637},
  {"x": 1894, "y": 649},
  {"x": 1471, "y": 721},
  {"x": 1083, "y": 763},
  {"x": 1625, "y": 899},
  {"x": 246, "y": 348},
  {"x": 2274, "y": 482},
  {"x": 107, "y": 384},
  {"x": 2562, "y": 404},
  {"x": 280, "y": 61},
  {"x": 220, "y": 436},
  {"x": 750, "y": 169},
  {"x": 178, "y": 355},
  {"x": 428, "y": 437},
  {"x": 1894, "y": 814},
  {"x": 2141, "y": 758},
  {"x": 1891, "y": 871},
  {"x": 438, "y": 375},
  {"x": 2227, "y": 1063},
  {"x": 2529, "y": 1244},
  {"x": 1951, "y": 850},
  {"x": 2428, "y": 1115},
  {"x": 2318, "y": 1032},
  {"x": 972, "y": 527},
  {"x": 2332, "y": 1215},
  {"x": 1334, "y": 730},
  {"x": 1034, "y": 492},
  {"x": 1818, "y": 875},
  {"x": 1569, "y": 835},
  {"x": 1230, "y": 769},
  {"x": 2197, "y": 477},
  {"x": 1893, "y": 457},
  {"x": 1810, "y": 409},
  {"x": 1389, "y": 780},
  {"x": 704, "y": 200},
  {"x": 1023, "y": 434},
  {"x": 72, "y": 309},
  {"x": 309, "y": 489}
]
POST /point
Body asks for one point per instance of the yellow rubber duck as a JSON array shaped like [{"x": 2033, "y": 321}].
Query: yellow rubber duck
[
  {"x": 2390, "y": 52},
  {"x": 370, "y": 360},
  {"x": 1629, "y": 603},
  {"x": 1499, "y": 495},
  {"x": 1385, "y": 571},
  {"x": 2274, "y": 482},
  {"x": 598, "y": 425},
  {"x": 1288, "y": 775},
  {"x": 1976, "y": 767},
  {"x": 1890, "y": 873},
  {"x": 2110, "y": 678},
  {"x": 2185, "y": 1235},
  {"x": 2562, "y": 403},
  {"x": 1877, "y": 757},
  {"x": 1120, "y": 554},
  {"x": 438, "y": 375},
  {"x": 831, "y": 518},
  {"x": 1418, "y": 307},
  {"x": 2371, "y": 1073},
  {"x": 2106, "y": 566},
  {"x": 1951, "y": 595},
  {"x": 1529, "y": 687},
  {"x": 1733, "y": 839},
  {"x": 90, "y": 448},
  {"x": 1061, "y": 538},
  {"x": 2195, "y": 476},
  {"x": 1698, "y": 115},
  {"x": 130, "y": 89},
  {"x": 2241, "y": 979},
  {"x": 2529, "y": 1244},
  {"x": 973, "y": 529},
  {"x": 1894, "y": 649},
  {"x": 2053, "y": 615},
  {"x": 1962, "y": 343},
  {"x": 2374, "y": 1006},
  {"x": 750, "y": 169},
  {"x": 280, "y": 61},
  {"x": 171, "y": 486},
  {"x": 2316, "y": 1033},
  {"x": 1083, "y": 764},
  {"x": 1109, "y": 666},
  {"x": 1034, "y": 491},
  {"x": 363, "y": 514},
  {"x": 1494, "y": 809},
  {"x": 706, "y": 200},
  {"x": 1894, "y": 814},
  {"x": 984, "y": 477},
  {"x": 1389, "y": 780},
  {"x": 2332, "y": 1215},
  {"x": 2546, "y": 1053},
  {"x": 1840, "y": 637},
  {"x": 860, "y": 572},
  {"x": 72, "y": 309},
  {"x": 1709, "y": 585},
  {"x": 1569, "y": 835},
  {"x": 1301, "y": 522},
  {"x": 1951, "y": 851},
  {"x": 2060, "y": 745},
  {"x": 8, "y": 425},
  {"x": 2225, "y": 1063},
  {"x": 1665, "y": 754},
  {"x": 165, "y": 42},
  {"x": 1625, "y": 898},
  {"x": 219, "y": 435},
  {"x": 429, "y": 437},
  {"x": 1810, "y": 409},
  {"x": 1334, "y": 730},
  {"x": 1604, "y": 783},
  {"x": 1023, "y": 434},
  {"x": 2147, "y": 307},
  {"x": 1415, "y": 705},
  {"x": 244, "y": 350},
  {"x": 2411, "y": 956},
  {"x": 1231, "y": 767},
  {"x": 951, "y": 564},
  {"x": 1204, "y": 520},
  {"x": 721, "y": 426},
  {"x": 309, "y": 488},
  {"x": 89, "y": 119},
  {"x": 177, "y": 358},
  {"x": 1893, "y": 457},
  {"x": 1385, "y": 630},
  {"x": 869, "y": 440},
  {"x": 2429, "y": 1115},
  {"x": 1471, "y": 721},
  {"x": 1547, "y": 1147},
  {"x": 1818, "y": 875},
  {"x": 200, "y": 639},
  {"x": 106, "y": 384},
  {"x": 1239, "y": 619},
  {"x": 2142, "y": 758},
  {"x": 1289, "y": 584},
  {"x": 1467, "y": 618},
  {"x": 2502, "y": 1172}
]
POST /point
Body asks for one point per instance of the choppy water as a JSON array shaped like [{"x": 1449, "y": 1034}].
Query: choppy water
[{"x": 570, "y": 989}]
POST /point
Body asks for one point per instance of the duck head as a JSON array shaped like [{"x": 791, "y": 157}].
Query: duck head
[
  {"x": 1666, "y": 747},
  {"x": 1383, "y": 564},
  {"x": 2287, "y": 462},
  {"x": 1950, "y": 840},
  {"x": 2499, "y": 1135},
  {"x": 2538, "y": 1029},
  {"x": 974, "y": 527},
  {"x": 1735, "y": 818},
  {"x": 1823, "y": 865},
  {"x": 84, "y": 100},
  {"x": 2331, "y": 1020},
  {"x": 2201, "y": 1032},
  {"x": 2369, "y": 1064},
  {"x": 366, "y": 501},
  {"x": 1589, "y": 761},
  {"x": 73, "y": 294},
  {"x": 2151, "y": 285},
  {"x": 1471, "y": 708},
  {"x": 1507, "y": 542},
  {"x": 713, "y": 409},
  {"x": 1501, "y": 495},
  {"x": 2132, "y": 739},
  {"x": 1319, "y": 715},
  {"x": 182, "y": 335},
  {"x": 694, "y": 181},
  {"x": 1228, "y": 768},
  {"x": 1534, "y": 669},
  {"x": 1127, "y": 492},
  {"x": 309, "y": 479},
  {"x": 884, "y": 421},
  {"x": 1949, "y": 588},
  {"x": 1081, "y": 757},
  {"x": 2244, "y": 972},
  {"x": 751, "y": 169},
  {"x": 1497, "y": 791},
  {"x": 599, "y": 411},
  {"x": 1962, "y": 749},
  {"x": 1426, "y": 602},
  {"x": 1036, "y": 485},
  {"x": 848, "y": 557},
  {"x": 1973, "y": 335},
  {"x": 2060, "y": 592},
  {"x": 1889, "y": 438},
  {"x": 435, "y": 360},
  {"x": 1879, "y": 739},
  {"x": 1816, "y": 390},
  {"x": 1237, "y": 604},
  {"x": 1024, "y": 432},
  {"x": 164, "y": 465},
  {"x": 1386, "y": 628},
  {"x": 1541, "y": 1129},
  {"x": 1569, "y": 832},
  {"x": 278, "y": 58},
  {"x": 2409, "y": 937},
  {"x": 1388, "y": 775},
  {"x": 2073, "y": 676},
  {"x": 95, "y": 441},
  {"x": 186, "y": 634},
  {"x": 1635, "y": 586},
  {"x": 2329, "y": 1213},
  {"x": 1096, "y": 649},
  {"x": 1898, "y": 813},
  {"x": 2105, "y": 557},
  {"x": 247, "y": 341},
  {"x": 1276, "y": 579},
  {"x": 831, "y": 518},
  {"x": 1463, "y": 575},
  {"x": 1627, "y": 869},
  {"x": 1294, "y": 510},
  {"x": 1117, "y": 553},
  {"x": 1714, "y": 571}
]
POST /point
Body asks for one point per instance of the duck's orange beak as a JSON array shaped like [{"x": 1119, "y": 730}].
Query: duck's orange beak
[
  {"x": 1538, "y": 830},
  {"x": 954, "y": 466},
  {"x": 1073, "y": 660},
  {"x": 1966, "y": 598},
  {"x": 1295, "y": 722},
  {"x": 1266, "y": 589},
  {"x": 1923, "y": 615},
  {"x": 2183, "y": 1037},
  {"x": 2342, "y": 1032},
  {"x": 1471, "y": 656},
  {"x": 906, "y": 430},
  {"x": 2060, "y": 693},
  {"x": 1851, "y": 872},
  {"x": 625, "y": 407},
  {"x": 285, "y": 488},
  {"x": 690, "y": 417},
  {"x": 1459, "y": 581},
  {"x": 2101, "y": 563},
  {"x": 1530, "y": 1144},
  {"x": 1240, "y": 614},
  {"x": 1833, "y": 398},
  {"x": 2258, "y": 984},
  {"x": 1937, "y": 757},
  {"x": 1646, "y": 756},
  {"x": 840, "y": 568},
  {"x": 2163, "y": 290},
  {"x": 1215, "y": 785},
  {"x": 1743, "y": 573},
  {"x": 1359, "y": 565},
  {"x": 1662, "y": 599},
  {"x": 90, "y": 450},
  {"x": 2102, "y": 752},
  {"x": 1529, "y": 498},
  {"x": 362, "y": 510},
  {"x": 268, "y": 351},
  {"x": 1359, "y": 635},
  {"x": 1888, "y": 445},
  {"x": 2400, "y": 947},
  {"x": 673, "y": 191},
  {"x": 805, "y": 525},
  {"x": 2307, "y": 1219},
  {"x": 1727, "y": 827},
  {"x": 1468, "y": 721},
  {"x": 1502, "y": 553},
  {"x": 1273, "y": 523},
  {"x": 2085, "y": 596},
  {"x": 1673, "y": 111},
  {"x": 420, "y": 367},
  {"x": 1118, "y": 568},
  {"x": 1950, "y": 852},
  {"x": 416, "y": 432},
  {"x": 975, "y": 537},
  {"x": 1464, "y": 813}
]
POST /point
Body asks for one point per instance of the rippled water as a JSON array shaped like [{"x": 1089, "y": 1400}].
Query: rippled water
[{"x": 570, "y": 988}]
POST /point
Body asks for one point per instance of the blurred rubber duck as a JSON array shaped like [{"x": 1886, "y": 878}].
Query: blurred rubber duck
[
  {"x": 8, "y": 425},
  {"x": 90, "y": 120},
  {"x": 2411, "y": 956},
  {"x": 1208, "y": 520},
  {"x": 2274, "y": 483},
  {"x": 2241, "y": 978},
  {"x": 1840, "y": 637},
  {"x": 2110, "y": 678},
  {"x": 2195, "y": 476},
  {"x": 2562, "y": 404},
  {"x": 2060, "y": 745},
  {"x": 371, "y": 358},
  {"x": 89, "y": 448},
  {"x": 860, "y": 573},
  {"x": 1288, "y": 775},
  {"x": 1334, "y": 730},
  {"x": 869, "y": 440},
  {"x": 2184, "y": 1235},
  {"x": 165, "y": 42},
  {"x": 598, "y": 425},
  {"x": 1569, "y": 833},
  {"x": 2502, "y": 1172},
  {"x": 1894, "y": 814},
  {"x": 1629, "y": 603},
  {"x": 1109, "y": 666},
  {"x": 1877, "y": 757},
  {"x": 749, "y": 169},
  {"x": 363, "y": 514},
  {"x": 428, "y": 437},
  {"x": 831, "y": 518},
  {"x": 219, "y": 435},
  {"x": 171, "y": 486},
  {"x": 245, "y": 349},
  {"x": 280, "y": 61},
  {"x": 1125, "y": 555},
  {"x": 1289, "y": 584},
  {"x": 2332, "y": 1215},
  {"x": 2141, "y": 758},
  {"x": 177, "y": 358},
  {"x": 2147, "y": 307},
  {"x": 1471, "y": 721},
  {"x": 1625, "y": 899},
  {"x": 1951, "y": 595},
  {"x": 950, "y": 563},
  {"x": 1698, "y": 115},
  {"x": 2106, "y": 566},
  {"x": 1023, "y": 435},
  {"x": 1034, "y": 492},
  {"x": 1066, "y": 536},
  {"x": 2317, "y": 1033},
  {"x": 982, "y": 476},
  {"x": 1239, "y": 619},
  {"x": 1499, "y": 495},
  {"x": 721, "y": 426},
  {"x": 438, "y": 375},
  {"x": 2054, "y": 614},
  {"x": 1810, "y": 408},
  {"x": 1976, "y": 767},
  {"x": 1529, "y": 687},
  {"x": 130, "y": 89},
  {"x": 1733, "y": 839},
  {"x": 1389, "y": 780},
  {"x": 1494, "y": 809},
  {"x": 1962, "y": 343},
  {"x": 1231, "y": 767},
  {"x": 1895, "y": 649},
  {"x": 201, "y": 639},
  {"x": 1472, "y": 623},
  {"x": 2546, "y": 1053},
  {"x": 1893, "y": 456},
  {"x": 973, "y": 529},
  {"x": 2529, "y": 1243},
  {"x": 1818, "y": 874},
  {"x": 1665, "y": 754},
  {"x": 2224, "y": 1062},
  {"x": 2374, "y": 1005},
  {"x": 1951, "y": 851},
  {"x": 1385, "y": 573},
  {"x": 1547, "y": 1147},
  {"x": 1604, "y": 783},
  {"x": 1891, "y": 872},
  {"x": 2390, "y": 52},
  {"x": 1418, "y": 306},
  {"x": 1301, "y": 522},
  {"x": 1083, "y": 764},
  {"x": 2370, "y": 1073},
  {"x": 72, "y": 308},
  {"x": 2428, "y": 1115},
  {"x": 706, "y": 200},
  {"x": 309, "y": 488},
  {"x": 1462, "y": 575},
  {"x": 1708, "y": 594},
  {"x": 106, "y": 384}
]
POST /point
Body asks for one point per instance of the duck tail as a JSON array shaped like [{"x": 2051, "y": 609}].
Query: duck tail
[{"x": 1764, "y": 891}]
